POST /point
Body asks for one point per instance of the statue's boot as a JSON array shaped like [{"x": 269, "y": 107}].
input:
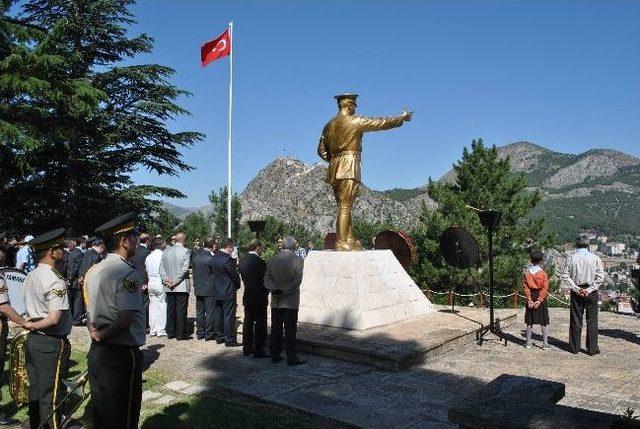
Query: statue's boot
[
  {"x": 343, "y": 246},
  {"x": 353, "y": 244}
]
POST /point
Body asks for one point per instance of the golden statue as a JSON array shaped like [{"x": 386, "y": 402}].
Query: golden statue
[{"x": 341, "y": 146}]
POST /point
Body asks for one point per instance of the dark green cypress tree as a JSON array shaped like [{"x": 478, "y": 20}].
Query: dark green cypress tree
[
  {"x": 75, "y": 122},
  {"x": 482, "y": 180}
]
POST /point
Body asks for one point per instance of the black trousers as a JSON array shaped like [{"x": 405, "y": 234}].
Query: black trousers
[
  {"x": 204, "y": 317},
  {"x": 289, "y": 318},
  {"x": 177, "y": 314},
  {"x": 76, "y": 304},
  {"x": 145, "y": 306},
  {"x": 224, "y": 320},
  {"x": 115, "y": 377},
  {"x": 47, "y": 361},
  {"x": 255, "y": 321},
  {"x": 4, "y": 333},
  {"x": 580, "y": 305}
]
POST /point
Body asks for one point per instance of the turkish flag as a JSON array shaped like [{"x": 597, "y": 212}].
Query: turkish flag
[{"x": 216, "y": 48}]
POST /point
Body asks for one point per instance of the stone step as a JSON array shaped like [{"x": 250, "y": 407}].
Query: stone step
[{"x": 386, "y": 357}]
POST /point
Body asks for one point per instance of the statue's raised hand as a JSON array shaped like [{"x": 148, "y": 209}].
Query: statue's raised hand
[{"x": 406, "y": 115}]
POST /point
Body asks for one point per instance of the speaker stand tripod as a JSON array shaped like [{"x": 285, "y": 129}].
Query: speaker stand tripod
[{"x": 490, "y": 220}]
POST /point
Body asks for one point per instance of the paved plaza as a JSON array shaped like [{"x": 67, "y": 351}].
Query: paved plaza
[{"x": 361, "y": 395}]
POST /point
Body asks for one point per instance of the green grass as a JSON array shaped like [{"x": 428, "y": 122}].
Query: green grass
[{"x": 217, "y": 408}]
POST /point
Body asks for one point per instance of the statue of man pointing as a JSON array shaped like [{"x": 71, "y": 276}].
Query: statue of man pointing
[{"x": 341, "y": 146}]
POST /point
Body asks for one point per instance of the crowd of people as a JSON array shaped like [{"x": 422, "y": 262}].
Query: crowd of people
[{"x": 124, "y": 285}]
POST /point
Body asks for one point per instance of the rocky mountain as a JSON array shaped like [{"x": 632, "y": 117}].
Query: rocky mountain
[
  {"x": 293, "y": 191},
  {"x": 598, "y": 189},
  {"x": 177, "y": 210}
]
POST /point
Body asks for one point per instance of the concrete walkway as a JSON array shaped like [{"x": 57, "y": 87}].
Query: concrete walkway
[{"x": 419, "y": 397}]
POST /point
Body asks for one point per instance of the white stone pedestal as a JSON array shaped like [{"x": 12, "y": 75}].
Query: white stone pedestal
[{"x": 358, "y": 290}]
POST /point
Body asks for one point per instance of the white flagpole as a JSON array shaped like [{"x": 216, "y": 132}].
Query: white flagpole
[{"x": 229, "y": 189}]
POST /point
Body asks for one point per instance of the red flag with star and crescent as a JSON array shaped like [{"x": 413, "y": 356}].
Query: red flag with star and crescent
[{"x": 217, "y": 48}]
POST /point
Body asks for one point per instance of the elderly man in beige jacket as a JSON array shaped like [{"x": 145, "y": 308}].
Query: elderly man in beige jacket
[
  {"x": 174, "y": 272},
  {"x": 283, "y": 279}
]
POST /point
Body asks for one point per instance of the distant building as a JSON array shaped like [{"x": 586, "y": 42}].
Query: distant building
[
  {"x": 593, "y": 247},
  {"x": 614, "y": 249},
  {"x": 592, "y": 235},
  {"x": 603, "y": 238}
]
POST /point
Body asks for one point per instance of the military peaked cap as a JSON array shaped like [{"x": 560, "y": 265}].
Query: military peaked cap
[
  {"x": 48, "y": 240},
  {"x": 121, "y": 224},
  {"x": 351, "y": 97}
]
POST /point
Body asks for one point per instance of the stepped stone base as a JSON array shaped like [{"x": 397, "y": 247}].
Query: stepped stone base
[{"x": 358, "y": 290}]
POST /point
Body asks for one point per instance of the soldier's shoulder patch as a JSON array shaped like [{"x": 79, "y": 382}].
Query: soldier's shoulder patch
[
  {"x": 60, "y": 293},
  {"x": 131, "y": 282}
]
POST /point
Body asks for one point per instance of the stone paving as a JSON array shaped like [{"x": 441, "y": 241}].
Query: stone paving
[{"x": 416, "y": 398}]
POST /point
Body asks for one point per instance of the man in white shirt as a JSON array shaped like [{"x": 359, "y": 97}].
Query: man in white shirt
[
  {"x": 157, "y": 295},
  {"x": 583, "y": 274},
  {"x": 24, "y": 258}
]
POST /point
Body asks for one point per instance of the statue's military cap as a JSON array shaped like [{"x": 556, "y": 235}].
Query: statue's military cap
[
  {"x": 48, "y": 240},
  {"x": 125, "y": 223},
  {"x": 351, "y": 97}
]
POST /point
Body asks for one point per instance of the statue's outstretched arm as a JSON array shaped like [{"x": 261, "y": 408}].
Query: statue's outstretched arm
[{"x": 384, "y": 123}]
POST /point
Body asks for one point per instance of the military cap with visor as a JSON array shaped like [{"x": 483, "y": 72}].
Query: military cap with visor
[
  {"x": 122, "y": 225},
  {"x": 349, "y": 97},
  {"x": 48, "y": 240}
]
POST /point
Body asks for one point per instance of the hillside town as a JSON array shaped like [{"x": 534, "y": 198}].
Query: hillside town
[{"x": 619, "y": 256}]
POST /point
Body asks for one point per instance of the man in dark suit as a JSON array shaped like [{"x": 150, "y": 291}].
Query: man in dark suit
[
  {"x": 226, "y": 282},
  {"x": 76, "y": 301},
  {"x": 255, "y": 299},
  {"x": 91, "y": 257},
  {"x": 142, "y": 251},
  {"x": 283, "y": 277},
  {"x": 202, "y": 262},
  {"x": 62, "y": 265}
]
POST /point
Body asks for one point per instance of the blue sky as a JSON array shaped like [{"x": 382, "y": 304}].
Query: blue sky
[{"x": 562, "y": 74}]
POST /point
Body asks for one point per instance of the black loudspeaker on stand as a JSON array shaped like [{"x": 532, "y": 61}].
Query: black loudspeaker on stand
[
  {"x": 460, "y": 250},
  {"x": 490, "y": 219}
]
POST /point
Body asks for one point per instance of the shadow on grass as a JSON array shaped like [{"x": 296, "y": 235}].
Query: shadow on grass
[{"x": 151, "y": 354}]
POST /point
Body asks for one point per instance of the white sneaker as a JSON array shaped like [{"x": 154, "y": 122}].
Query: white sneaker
[
  {"x": 547, "y": 347},
  {"x": 527, "y": 346},
  {"x": 161, "y": 334}
]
